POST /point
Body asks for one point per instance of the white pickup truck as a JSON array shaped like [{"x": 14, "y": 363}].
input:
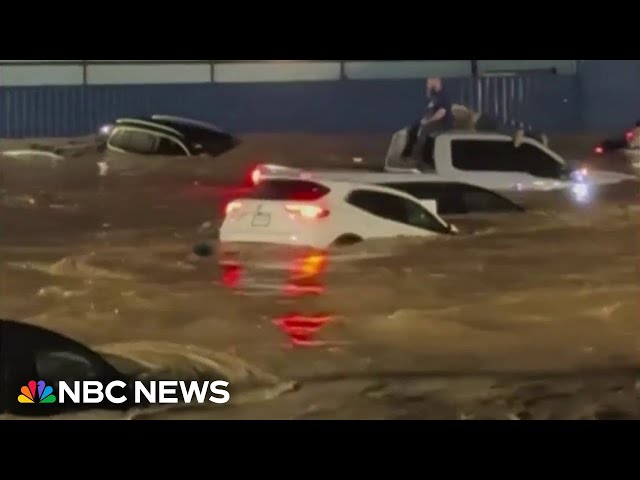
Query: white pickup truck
[{"x": 491, "y": 160}]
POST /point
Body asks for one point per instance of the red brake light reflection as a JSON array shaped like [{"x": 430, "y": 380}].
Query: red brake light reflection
[
  {"x": 307, "y": 211},
  {"x": 301, "y": 329},
  {"x": 231, "y": 275},
  {"x": 599, "y": 150}
]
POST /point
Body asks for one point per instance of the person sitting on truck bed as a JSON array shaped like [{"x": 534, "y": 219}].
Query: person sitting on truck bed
[{"x": 438, "y": 118}]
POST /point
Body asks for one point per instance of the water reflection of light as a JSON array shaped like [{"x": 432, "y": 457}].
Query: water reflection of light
[
  {"x": 580, "y": 175},
  {"x": 309, "y": 265},
  {"x": 231, "y": 275},
  {"x": 581, "y": 192},
  {"x": 295, "y": 290},
  {"x": 306, "y": 275},
  {"x": 301, "y": 329},
  {"x": 303, "y": 277}
]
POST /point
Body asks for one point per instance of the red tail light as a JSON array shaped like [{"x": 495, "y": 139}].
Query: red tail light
[
  {"x": 307, "y": 211},
  {"x": 232, "y": 207},
  {"x": 629, "y": 136},
  {"x": 599, "y": 150}
]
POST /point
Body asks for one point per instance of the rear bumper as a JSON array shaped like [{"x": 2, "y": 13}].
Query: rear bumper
[{"x": 230, "y": 237}]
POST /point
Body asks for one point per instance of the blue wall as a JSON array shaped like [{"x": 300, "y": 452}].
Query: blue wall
[
  {"x": 603, "y": 95},
  {"x": 610, "y": 90}
]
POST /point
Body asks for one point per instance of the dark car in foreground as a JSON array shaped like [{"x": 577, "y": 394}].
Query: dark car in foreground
[{"x": 32, "y": 362}]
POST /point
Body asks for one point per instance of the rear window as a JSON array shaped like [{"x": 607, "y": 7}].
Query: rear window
[{"x": 301, "y": 190}]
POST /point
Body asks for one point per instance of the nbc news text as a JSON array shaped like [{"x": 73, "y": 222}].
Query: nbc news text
[{"x": 153, "y": 392}]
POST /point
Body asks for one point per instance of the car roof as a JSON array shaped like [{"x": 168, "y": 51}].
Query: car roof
[
  {"x": 339, "y": 187},
  {"x": 177, "y": 126},
  {"x": 182, "y": 121},
  {"x": 148, "y": 124},
  {"x": 37, "y": 333},
  {"x": 358, "y": 176},
  {"x": 391, "y": 178},
  {"x": 479, "y": 135},
  {"x": 342, "y": 187},
  {"x": 436, "y": 182}
]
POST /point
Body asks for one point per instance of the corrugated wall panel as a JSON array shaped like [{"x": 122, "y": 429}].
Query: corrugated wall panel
[{"x": 545, "y": 102}]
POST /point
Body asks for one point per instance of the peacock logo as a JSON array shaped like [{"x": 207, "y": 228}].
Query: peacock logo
[{"x": 36, "y": 392}]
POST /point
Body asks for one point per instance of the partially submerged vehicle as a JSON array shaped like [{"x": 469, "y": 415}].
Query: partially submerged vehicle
[
  {"x": 627, "y": 145},
  {"x": 492, "y": 161},
  {"x": 30, "y": 353},
  {"x": 495, "y": 161},
  {"x": 166, "y": 135},
  {"x": 321, "y": 214},
  {"x": 34, "y": 360}
]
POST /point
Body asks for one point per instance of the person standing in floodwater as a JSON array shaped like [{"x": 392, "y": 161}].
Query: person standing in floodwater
[{"x": 438, "y": 116}]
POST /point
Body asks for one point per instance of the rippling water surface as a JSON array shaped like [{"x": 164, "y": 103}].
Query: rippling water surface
[{"x": 520, "y": 316}]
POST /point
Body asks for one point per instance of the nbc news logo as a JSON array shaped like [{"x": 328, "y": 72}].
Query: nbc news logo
[
  {"x": 36, "y": 392},
  {"x": 154, "y": 392}
]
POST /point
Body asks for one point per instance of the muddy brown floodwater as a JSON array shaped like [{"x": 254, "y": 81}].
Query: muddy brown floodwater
[{"x": 525, "y": 316}]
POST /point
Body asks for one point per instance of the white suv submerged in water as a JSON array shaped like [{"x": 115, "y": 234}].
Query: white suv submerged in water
[{"x": 320, "y": 214}]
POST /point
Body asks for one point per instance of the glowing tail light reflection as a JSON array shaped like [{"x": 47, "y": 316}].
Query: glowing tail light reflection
[
  {"x": 231, "y": 275},
  {"x": 302, "y": 328},
  {"x": 303, "y": 278},
  {"x": 310, "y": 265},
  {"x": 295, "y": 290}
]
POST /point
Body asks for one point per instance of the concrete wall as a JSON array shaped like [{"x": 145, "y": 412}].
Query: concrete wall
[{"x": 65, "y": 99}]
